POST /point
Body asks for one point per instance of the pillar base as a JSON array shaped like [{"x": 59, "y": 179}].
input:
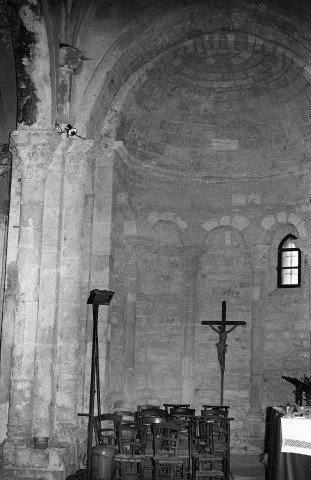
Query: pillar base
[{"x": 52, "y": 463}]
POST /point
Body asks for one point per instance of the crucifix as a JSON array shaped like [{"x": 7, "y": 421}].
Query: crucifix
[{"x": 222, "y": 345}]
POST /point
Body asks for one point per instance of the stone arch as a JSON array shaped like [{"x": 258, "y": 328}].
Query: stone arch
[
  {"x": 274, "y": 236},
  {"x": 235, "y": 221}
]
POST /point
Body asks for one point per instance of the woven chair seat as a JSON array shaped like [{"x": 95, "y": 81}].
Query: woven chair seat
[
  {"x": 210, "y": 474},
  {"x": 162, "y": 459},
  {"x": 209, "y": 457}
]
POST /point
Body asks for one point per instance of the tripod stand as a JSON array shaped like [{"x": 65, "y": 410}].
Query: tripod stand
[{"x": 96, "y": 298}]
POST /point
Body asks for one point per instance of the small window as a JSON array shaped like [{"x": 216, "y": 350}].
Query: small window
[{"x": 289, "y": 263}]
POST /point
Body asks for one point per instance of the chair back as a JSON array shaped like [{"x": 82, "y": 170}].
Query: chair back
[
  {"x": 150, "y": 412},
  {"x": 201, "y": 438},
  {"x": 168, "y": 406},
  {"x": 166, "y": 439},
  {"x": 221, "y": 410},
  {"x": 147, "y": 407},
  {"x": 221, "y": 433},
  {"x": 145, "y": 420},
  {"x": 131, "y": 439},
  {"x": 126, "y": 416},
  {"x": 105, "y": 426},
  {"x": 182, "y": 412}
]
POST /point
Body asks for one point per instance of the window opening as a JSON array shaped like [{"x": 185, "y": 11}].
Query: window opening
[{"x": 289, "y": 263}]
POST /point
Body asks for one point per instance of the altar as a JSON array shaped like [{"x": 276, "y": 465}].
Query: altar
[{"x": 289, "y": 454}]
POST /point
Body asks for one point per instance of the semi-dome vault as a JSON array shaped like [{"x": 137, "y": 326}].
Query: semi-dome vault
[{"x": 218, "y": 98}]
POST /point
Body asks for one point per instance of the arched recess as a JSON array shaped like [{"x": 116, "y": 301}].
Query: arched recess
[
  {"x": 286, "y": 325},
  {"x": 146, "y": 343},
  {"x": 223, "y": 274}
]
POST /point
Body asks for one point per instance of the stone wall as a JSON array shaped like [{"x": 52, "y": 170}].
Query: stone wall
[{"x": 190, "y": 249}]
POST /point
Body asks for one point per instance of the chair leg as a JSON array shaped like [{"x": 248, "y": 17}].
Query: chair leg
[
  {"x": 113, "y": 469},
  {"x": 142, "y": 469},
  {"x": 156, "y": 470}
]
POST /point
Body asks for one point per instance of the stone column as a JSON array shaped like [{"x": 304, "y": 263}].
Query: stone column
[
  {"x": 256, "y": 415},
  {"x": 68, "y": 370},
  {"x": 6, "y": 325},
  {"x": 5, "y": 173},
  {"x": 32, "y": 155},
  {"x": 258, "y": 313},
  {"x": 190, "y": 272},
  {"x": 131, "y": 275}
]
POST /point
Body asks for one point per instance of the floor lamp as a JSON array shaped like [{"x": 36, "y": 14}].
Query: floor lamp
[{"x": 96, "y": 298}]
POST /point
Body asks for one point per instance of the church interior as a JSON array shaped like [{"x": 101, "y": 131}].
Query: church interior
[{"x": 159, "y": 150}]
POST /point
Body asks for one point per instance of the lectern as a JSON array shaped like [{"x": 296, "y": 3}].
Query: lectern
[{"x": 96, "y": 298}]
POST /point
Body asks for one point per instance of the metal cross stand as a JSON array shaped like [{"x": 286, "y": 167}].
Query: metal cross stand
[
  {"x": 96, "y": 298},
  {"x": 222, "y": 345}
]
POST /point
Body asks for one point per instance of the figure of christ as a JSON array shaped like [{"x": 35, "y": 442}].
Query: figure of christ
[{"x": 222, "y": 345}]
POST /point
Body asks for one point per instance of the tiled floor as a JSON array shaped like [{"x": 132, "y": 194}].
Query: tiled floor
[{"x": 246, "y": 467}]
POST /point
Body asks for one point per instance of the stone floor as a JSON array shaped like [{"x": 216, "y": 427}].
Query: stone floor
[{"x": 246, "y": 467}]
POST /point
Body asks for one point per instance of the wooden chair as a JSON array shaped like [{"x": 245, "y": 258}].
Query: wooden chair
[
  {"x": 130, "y": 461},
  {"x": 167, "y": 461},
  {"x": 182, "y": 416},
  {"x": 221, "y": 439},
  {"x": 204, "y": 461},
  {"x": 149, "y": 451},
  {"x": 105, "y": 426}
]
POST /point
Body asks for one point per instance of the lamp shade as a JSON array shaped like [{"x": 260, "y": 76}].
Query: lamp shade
[{"x": 100, "y": 297}]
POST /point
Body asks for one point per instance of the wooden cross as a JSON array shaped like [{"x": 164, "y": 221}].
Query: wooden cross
[{"x": 222, "y": 345}]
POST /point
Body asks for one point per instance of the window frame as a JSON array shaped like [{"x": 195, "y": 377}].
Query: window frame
[{"x": 281, "y": 268}]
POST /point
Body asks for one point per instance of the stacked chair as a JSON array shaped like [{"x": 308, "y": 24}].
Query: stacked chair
[
  {"x": 204, "y": 461},
  {"x": 148, "y": 417},
  {"x": 167, "y": 444},
  {"x": 168, "y": 463},
  {"x": 218, "y": 416},
  {"x": 182, "y": 416}
]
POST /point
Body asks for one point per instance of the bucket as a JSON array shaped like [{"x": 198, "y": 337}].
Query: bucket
[{"x": 101, "y": 462}]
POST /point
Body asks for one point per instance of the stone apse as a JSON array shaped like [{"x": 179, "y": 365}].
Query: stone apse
[{"x": 191, "y": 166}]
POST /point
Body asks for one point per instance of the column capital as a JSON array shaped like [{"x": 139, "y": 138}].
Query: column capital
[{"x": 33, "y": 151}]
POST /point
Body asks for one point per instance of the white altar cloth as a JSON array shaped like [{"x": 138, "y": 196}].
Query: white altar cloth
[{"x": 296, "y": 435}]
